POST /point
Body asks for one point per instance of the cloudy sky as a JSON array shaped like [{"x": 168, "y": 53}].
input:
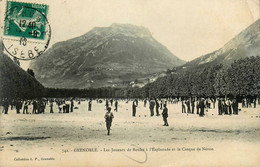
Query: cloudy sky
[{"x": 188, "y": 28}]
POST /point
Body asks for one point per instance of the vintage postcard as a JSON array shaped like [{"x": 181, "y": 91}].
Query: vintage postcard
[{"x": 130, "y": 83}]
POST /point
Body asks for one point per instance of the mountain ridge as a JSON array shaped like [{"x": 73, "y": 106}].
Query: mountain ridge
[
  {"x": 244, "y": 44},
  {"x": 104, "y": 56}
]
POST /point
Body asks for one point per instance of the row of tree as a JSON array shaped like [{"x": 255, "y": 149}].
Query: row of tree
[{"x": 241, "y": 78}]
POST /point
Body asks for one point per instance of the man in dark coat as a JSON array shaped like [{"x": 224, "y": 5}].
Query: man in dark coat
[
  {"x": 116, "y": 105},
  {"x": 198, "y": 106},
  {"x": 219, "y": 107},
  {"x": 6, "y": 106},
  {"x": 63, "y": 106},
  {"x": 254, "y": 102},
  {"x": 107, "y": 103},
  {"x": 89, "y": 105},
  {"x": 152, "y": 104},
  {"x": 34, "y": 103},
  {"x": 157, "y": 105},
  {"x": 109, "y": 118},
  {"x": 42, "y": 107},
  {"x": 202, "y": 107},
  {"x": 188, "y": 106},
  {"x": 161, "y": 105},
  {"x": 165, "y": 115},
  {"x": 235, "y": 106},
  {"x": 134, "y": 107},
  {"x": 18, "y": 106},
  {"x": 71, "y": 105},
  {"x": 225, "y": 108}
]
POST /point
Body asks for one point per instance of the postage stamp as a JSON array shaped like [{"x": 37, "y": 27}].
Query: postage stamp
[{"x": 27, "y": 31}]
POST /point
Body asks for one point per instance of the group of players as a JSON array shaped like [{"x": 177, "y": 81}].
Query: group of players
[{"x": 225, "y": 106}]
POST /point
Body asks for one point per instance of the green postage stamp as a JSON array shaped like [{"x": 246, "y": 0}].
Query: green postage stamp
[{"x": 27, "y": 31}]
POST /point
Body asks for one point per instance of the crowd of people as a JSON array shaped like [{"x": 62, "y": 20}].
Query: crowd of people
[
  {"x": 192, "y": 105},
  {"x": 38, "y": 105},
  {"x": 188, "y": 105}
]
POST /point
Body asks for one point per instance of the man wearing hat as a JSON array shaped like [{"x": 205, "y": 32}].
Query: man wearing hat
[
  {"x": 109, "y": 117},
  {"x": 165, "y": 115}
]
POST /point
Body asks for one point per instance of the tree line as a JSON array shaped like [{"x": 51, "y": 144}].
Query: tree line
[{"x": 241, "y": 78}]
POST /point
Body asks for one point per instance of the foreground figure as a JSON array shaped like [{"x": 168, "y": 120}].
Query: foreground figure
[
  {"x": 109, "y": 117},
  {"x": 165, "y": 115}
]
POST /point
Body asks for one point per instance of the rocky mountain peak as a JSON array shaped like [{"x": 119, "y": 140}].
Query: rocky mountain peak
[{"x": 105, "y": 56}]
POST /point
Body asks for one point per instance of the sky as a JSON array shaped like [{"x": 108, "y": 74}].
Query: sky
[{"x": 188, "y": 28}]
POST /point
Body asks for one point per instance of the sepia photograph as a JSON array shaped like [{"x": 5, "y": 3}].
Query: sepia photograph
[{"x": 130, "y": 83}]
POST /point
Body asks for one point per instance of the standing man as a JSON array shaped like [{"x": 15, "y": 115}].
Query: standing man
[
  {"x": 161, "y": 105},
  {"x": 202, "y": 107},
  {"x": 214, "y": 102},
  {"x": 42, "y": 106},
  {"x": 183, "y": 109},
  {"x": 89, "y": 105},
  {"x": 198, "y": 106},
  {"x": 192, "y": 106},
  {"x": 219, "y": 107},
  {"x": 34, "y": 103},
  {"x": 235, "y": 106},
  {"x": 109, "y": 118},
  {"x": 165, "y": 115},
  {"x": 116, "y": 105},
  {"x": 51, "y": 106},
  {"x": 6, "y": 105},
  {"x": 157, "y": 105},
  {"x": 228, "y": 103},
  {"x": 152, "y": 104},
  {"x": 134, "y": 107},
  {"x": 188, "y": 106},
  {"x": 18, "y": 106},
  {"x": 107, "y": 103},
  {"x": 71, "y": 105},
  {"x": 38, "y": 106},
  {"x": 25, "y": 107},
  {"x": 60, "y": 106}
]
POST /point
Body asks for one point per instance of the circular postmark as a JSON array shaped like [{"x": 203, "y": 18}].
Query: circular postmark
[{"x": 27, "y": 32}]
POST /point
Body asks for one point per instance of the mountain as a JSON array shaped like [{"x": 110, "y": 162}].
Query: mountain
[
  {"x": 232, "y": 70},
  {"x": 245, "y": 44},
  {"x": 15, "y": 82},
  {"x": 105, "y": 56}
]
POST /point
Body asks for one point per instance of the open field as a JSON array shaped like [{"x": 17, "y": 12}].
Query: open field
[{"x": 75, "y": 139}]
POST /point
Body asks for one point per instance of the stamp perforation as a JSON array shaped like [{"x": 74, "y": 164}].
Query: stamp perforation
[
  {"x": 27, "y": 2},
  {"x": 23, "y": 2}
]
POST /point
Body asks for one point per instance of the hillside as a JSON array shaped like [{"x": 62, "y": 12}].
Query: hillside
[
  {"x": 15, "y": 82},
  {"x": 245, "y": 44},
  {"x": 105, "y": 56},
  {"x": 231, "y": 70}
]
